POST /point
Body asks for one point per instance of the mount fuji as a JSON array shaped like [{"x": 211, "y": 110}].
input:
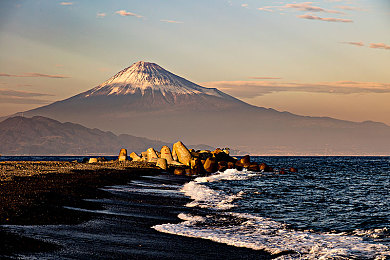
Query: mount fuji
[{"x": 147, "y": 100}]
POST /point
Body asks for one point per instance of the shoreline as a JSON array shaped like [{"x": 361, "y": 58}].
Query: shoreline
[{"x": 40, "y": 200}]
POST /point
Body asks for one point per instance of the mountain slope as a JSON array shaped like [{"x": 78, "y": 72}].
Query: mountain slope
[
  {"x": 40, "y": 135},
  {"x": 147, "y": 100}
]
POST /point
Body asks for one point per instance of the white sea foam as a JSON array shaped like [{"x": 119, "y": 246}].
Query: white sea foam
[
  {"x": 258, "y": 233},
  {"x": 205, "y": 197}
]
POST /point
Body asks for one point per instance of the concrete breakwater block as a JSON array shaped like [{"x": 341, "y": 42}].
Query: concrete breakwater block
[
  {"x": 122, "y": 155},
  {"x": 183, "y": 154}
]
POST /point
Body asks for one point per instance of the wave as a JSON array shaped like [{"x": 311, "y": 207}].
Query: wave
[{"x": 259, "y": 233}]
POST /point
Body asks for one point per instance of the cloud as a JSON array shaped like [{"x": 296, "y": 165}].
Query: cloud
[
  {"x": 360, "y": 44},
  {"x": 251, "y": 89},
  {"x": 244, "y": 5},
  {"x": 348, "y": 8},
  {"x": 266, "y": 8},
  {"x": 15, "y": 93},
  {"x": 125, "y": 13},
  {"x": 170, "y": 21},
  {"x": 379, "y": 46},
  {"x": 101, "y": 15},
  {"x": 307, "y": 7},
  {"x": 66, "y": 3},
  {"x": 264, "y": 78},
  {"x": 312, "y": 17},
  {"x": 22, "y": 97},
  {"x": 34, "y": 75}
]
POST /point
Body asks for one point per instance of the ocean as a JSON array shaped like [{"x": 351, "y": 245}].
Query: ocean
[{"x": 333, "y": 208}]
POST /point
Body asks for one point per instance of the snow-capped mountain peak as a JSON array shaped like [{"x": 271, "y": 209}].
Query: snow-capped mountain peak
[{"x": 143, "y": 76}]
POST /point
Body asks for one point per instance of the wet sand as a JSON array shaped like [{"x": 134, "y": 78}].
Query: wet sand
[{"x": 39, "y": 199}]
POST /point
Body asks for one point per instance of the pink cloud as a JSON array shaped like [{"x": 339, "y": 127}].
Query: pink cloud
[
  {"x": 306, "y": 6},
  {"x": 101, "y": 15},
  {"x": 379, "y": 46},
  {"x": 170, "y": 21},
  {"x": 125, "y": 13},
  {"x": 34, "y": 75},
  {"x": 66, "y": 3},
  {"x": 360, "y": 44},
  {"x": 312, "y": 17},
  {"x": 264, "y": 77},
  {"x": 348, "y": 8}
]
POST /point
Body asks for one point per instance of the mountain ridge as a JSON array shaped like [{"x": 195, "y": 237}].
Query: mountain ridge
[{"x": 147, "y": 100}]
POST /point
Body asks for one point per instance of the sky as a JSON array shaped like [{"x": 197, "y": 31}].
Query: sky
[{"x": 321, "y": 58}]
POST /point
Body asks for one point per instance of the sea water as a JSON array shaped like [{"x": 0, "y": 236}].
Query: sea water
[{"x": 333, "y": 208}]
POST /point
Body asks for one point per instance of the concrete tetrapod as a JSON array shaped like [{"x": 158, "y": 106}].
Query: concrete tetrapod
[
  {"x": 183, "y": 154},
  {"x": 122, "y": 155}
]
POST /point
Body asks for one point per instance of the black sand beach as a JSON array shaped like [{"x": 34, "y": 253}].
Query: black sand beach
[{"x": 92, "y": 231}]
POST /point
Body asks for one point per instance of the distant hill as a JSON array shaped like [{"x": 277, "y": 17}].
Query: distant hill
[
  {"x": 45, "y": 136},
  {"x": 147, "y": 100}
]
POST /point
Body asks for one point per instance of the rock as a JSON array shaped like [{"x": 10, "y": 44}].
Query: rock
[
  {"x": 230, "y": 165},
  {"x": 222, "y": 166},
  {"x": 102, "y": 159},
  {"x": 254, "y": 167},
  {"x": 195, "y": 154},
  {"x": 151, "y": 155},
  {"x": 122, "y": 155},
  {"x": 162, "y": 163},
  {"x": 196, "y": 166},
  {"x": 210, "y": 165},
  {"x": 93, "y": 160},
  {"x": 282, "y": 171},
  {"x": 166, "y": 154},
  {"x": 263, "y": 167},
  {"x": 226, "y": 150},
  {"x": 203, "y": 155},
  {"x": 246, "y": 160},
  {"x": 135, "y": 157},
  {"x": 179, "y": 171},
  {"x": 238, "y": 165},
  {"x": 292, "y": 169},
  {"x": 183, "y": 154}
]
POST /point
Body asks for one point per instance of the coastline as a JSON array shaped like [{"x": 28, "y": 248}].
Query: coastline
[{"x": 40, "y": 200}]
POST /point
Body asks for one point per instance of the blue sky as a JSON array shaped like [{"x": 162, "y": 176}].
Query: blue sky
[{"x": 322, "y": 58}]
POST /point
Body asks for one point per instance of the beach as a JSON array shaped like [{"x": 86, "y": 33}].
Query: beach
[{"x": 59, "y": 210}]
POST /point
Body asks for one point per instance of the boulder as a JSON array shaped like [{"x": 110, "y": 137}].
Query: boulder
[
  {"x": 222, "y": 166},
  {"x": 230, "y": 165},
  {"x": 253, "y": 167},
  {"x": 263, "y": 167},
  {"x": 210, "y": 165},
  {"x": 166, "y": 154},
  {"x": 92, "y": 160},
  {"x": 162, "y": 163},
  {"x": 122, "y": 155},
  {"x": 246, "y": 160},
  {"x": 151, "y": 155},
  {"x": 292, "y": 169},
  {"x": 144, "y": 156},
  {"x": 183, "y": 154},
  {"x": 179, "y": 171},
  {"x": 196, "y": 166}
]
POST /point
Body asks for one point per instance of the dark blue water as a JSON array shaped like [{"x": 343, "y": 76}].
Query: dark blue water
[{"x": 328, "y": 193}]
